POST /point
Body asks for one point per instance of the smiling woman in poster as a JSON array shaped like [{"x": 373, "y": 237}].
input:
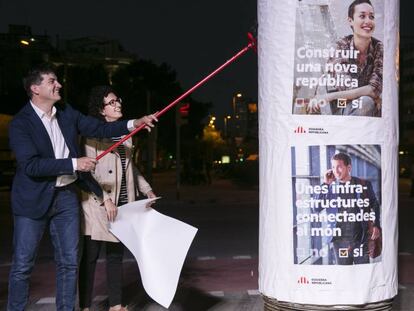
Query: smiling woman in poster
[{"x": 357, "y": 71}]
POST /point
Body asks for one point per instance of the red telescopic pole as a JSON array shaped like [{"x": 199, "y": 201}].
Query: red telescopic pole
[{"x": 252, "y": 44}]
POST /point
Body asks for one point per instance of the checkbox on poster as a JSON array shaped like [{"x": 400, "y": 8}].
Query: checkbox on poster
[
  {"x": 341, "y": 103},
  {"x": 343, "y": 253},
  {"x": 300, "y": 102},
  {"x": 300, "y": 252}
]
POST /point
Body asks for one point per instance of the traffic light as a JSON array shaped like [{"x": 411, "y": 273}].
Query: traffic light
[{"x": 183, "y": 110}]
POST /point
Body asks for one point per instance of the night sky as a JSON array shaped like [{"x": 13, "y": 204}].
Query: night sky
[{"x": 194, "y": 37}]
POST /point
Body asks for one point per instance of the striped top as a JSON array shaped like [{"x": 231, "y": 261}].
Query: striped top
[{"x": 123, "y": 193}]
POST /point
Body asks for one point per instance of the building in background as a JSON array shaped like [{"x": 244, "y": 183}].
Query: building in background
[
  {"x": 87, "y": 51},
  {"x": 241, "y": 128},
  {"x": 407, "y": 90},
  {"x": 7, "y": 163},
  {"x": 20, "y": 49},
  {"x": 406, "y": 107},
  {"x": 239, "y": 120},
  {"x": 243, "y": 124}
]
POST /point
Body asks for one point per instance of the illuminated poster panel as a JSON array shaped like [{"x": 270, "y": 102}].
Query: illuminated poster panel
[
  {"x": 337, "y": 204},
  {"x": 328, "y": 132},
  {"x": 339, "y": 54}
]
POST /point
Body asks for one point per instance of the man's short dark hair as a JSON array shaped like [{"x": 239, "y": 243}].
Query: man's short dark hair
[
  {"x": 351, "y": 8},
  {"x": 343, "y": 157},
  {"x": 96, "y": 100},
  {"x": 34, "y": 76}
]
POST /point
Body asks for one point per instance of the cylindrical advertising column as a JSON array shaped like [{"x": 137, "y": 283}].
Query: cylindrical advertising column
[{"x": 328, "y": 129}]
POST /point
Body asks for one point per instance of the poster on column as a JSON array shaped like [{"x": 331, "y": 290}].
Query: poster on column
[
  {"x": 338, "y": 62},
  {"x": 328, "y": 88},
  {"x": 337, "y": 204}
]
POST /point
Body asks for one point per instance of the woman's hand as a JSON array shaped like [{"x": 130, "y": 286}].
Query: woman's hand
[
  {"x": 111, "y": 210},
  {"x": 150, "y": 195}
]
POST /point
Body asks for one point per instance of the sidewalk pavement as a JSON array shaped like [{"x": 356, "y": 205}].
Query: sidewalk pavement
[
  {"x": 203, "y": 286},
  {"x": 219, "y": 284}
]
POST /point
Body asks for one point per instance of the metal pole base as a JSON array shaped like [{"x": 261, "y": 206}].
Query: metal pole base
[{"x": 271, "y": 304}]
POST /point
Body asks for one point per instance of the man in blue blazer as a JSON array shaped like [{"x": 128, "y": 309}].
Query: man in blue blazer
[{"x": 44, "y": 139}]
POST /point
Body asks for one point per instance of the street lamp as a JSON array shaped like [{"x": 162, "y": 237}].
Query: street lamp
[
  {"x": 211, "y": 122},
  {"x": 226, "y": 118}
]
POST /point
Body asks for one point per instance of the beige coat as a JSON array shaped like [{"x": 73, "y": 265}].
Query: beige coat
[{"x": 108, "y": 174}]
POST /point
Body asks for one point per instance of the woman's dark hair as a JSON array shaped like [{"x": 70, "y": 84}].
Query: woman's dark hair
[
  {"x": 34, "y": 76},
  {"x": 96, "y": 100},
  {"x": 351, "y": 8}
]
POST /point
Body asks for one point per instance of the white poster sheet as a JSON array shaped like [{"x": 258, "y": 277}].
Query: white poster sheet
[{"x": 159, "y": 244}]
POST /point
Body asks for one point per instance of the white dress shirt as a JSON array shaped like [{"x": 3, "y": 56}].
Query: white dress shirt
[{"x": 60, "y": 148}]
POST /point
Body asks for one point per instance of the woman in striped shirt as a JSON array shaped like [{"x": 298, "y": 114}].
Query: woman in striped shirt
[{"x": 121, "y": 183}]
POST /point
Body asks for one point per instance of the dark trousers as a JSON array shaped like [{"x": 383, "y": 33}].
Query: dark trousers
[
  {"x": 62, "y": 219},
  {"x": 90, "y": 254}
]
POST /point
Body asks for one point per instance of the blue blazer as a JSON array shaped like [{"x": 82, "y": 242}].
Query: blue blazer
[{"x": 37, "y": 168}]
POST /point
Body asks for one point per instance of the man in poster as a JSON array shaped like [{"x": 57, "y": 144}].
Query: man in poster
[{"x": 354, "y": 205}]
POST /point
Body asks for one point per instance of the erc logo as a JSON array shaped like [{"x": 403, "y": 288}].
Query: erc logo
[{"x": 300, "y": 130}]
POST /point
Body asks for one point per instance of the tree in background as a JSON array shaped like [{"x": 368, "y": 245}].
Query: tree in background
[
  {"x": 144, "y": 86},
  {"x": 147, "y": 88},
  {"x": 77, "y": 82}
]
